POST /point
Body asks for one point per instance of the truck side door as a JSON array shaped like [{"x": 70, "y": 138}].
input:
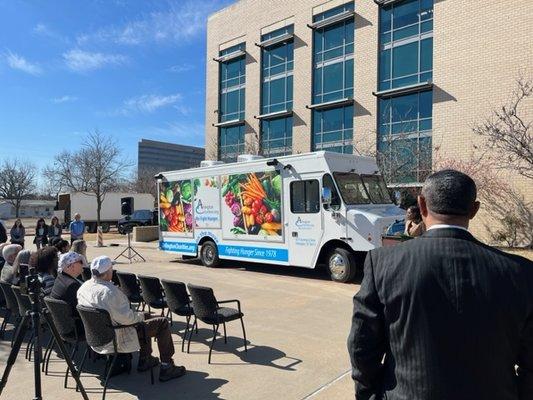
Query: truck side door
[{"x": 304, "y": 222}]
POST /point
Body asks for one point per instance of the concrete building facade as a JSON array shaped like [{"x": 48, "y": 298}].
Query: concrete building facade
[
  {"x": 161, "y": 156},
  {"x": 404, "y": 80}
]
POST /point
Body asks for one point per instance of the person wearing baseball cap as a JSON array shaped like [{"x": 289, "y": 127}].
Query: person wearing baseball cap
[
  {"x": 67, "y": 283},
  {"x": 100, "y": 292}
]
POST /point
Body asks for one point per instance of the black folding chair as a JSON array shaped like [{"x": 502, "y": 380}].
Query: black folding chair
[
  {"x": 99, "y": 331},
  {"x": 152, "y": 293},
  {"x": 24, "y": 305},
  {"x": 12, "y": 309},
  {"x": 178, "y": 303},
  {"x": 69, "y": 330},
  {"x": 207, "y": 309},
  {"x": 129, "y": 285}
]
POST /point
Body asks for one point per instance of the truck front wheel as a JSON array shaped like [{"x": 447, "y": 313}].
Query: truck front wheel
[
  {"x": 341, "y": 265},
  {"x": 209, "y": 254}
]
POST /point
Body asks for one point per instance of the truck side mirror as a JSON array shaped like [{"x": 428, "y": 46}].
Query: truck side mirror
[{"x": 326, "y": 196}]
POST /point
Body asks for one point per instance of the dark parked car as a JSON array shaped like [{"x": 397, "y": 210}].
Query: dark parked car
[{"x": 138, "y": 218}]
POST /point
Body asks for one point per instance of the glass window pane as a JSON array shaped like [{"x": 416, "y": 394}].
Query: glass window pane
[
  {"x": 333, "y": 78},
  {"x": 426, "y": 104},
  {"x": 405, "y": 60},
  {"x": 385, "y": 19},
  {"x": 406, "y": 32},
  {"x": 333, "y": 36},
  {"x": 405, "y": 107},
  {"x": 384, "y": 65},
  {"x": 426, "y": 54},
  {"x": 405, "y": 13},
  {"x": 277, "y": 91},
  {"x": 348, "y": 74}
]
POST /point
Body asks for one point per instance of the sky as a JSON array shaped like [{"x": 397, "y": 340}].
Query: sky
[{"x": 131, "y": 69}]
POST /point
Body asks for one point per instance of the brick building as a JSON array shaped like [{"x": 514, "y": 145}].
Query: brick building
[{"x": 407, "y": 79}]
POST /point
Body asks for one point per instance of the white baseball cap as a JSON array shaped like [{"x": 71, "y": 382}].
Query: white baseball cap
[
  {"x": 102, "y": 264},
  {"x": 68, "y": 258}
]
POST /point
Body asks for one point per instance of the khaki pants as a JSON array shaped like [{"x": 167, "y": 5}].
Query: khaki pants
[{"x": 156, "y": 328}]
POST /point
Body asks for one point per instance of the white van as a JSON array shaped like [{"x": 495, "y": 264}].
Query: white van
[{"x": 301, "y": 210}]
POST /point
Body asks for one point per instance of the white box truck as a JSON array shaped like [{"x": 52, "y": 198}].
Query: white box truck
[
  {"x": 302, "y": 210},
  {"x": 69, "y": 204}
]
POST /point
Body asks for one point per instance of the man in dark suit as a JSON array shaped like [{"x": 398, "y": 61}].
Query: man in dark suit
[{"x": 444, "y": 316}]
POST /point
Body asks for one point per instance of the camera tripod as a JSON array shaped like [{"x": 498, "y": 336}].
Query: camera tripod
[
  {"x": 130, "y": 250},
  {"x": 33, "y": 318}
]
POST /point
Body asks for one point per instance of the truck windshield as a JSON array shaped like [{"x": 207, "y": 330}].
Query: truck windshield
[
  {"x": 377, "y": 189},
  {"x": 351, "y": 187}
]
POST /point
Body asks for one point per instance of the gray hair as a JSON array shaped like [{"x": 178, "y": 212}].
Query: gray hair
[
  {"x": 450, "y": 192},
  {"x": 79, "y": 246},
  {"x": 10, "y": 251},
  {"x": 23, "y": 257}
]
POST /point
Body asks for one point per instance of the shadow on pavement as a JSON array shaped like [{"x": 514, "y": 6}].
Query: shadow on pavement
[{"x": 257, "y": 354}]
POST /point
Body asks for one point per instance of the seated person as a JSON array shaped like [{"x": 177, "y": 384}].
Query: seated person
[
  {"x": 67, "y": 284},
  {"x": 62, "y": 246},
  {"x": 46, "y": 268},
  {"x": 99, "y": 292},
  {"x": 414, "y": 226},
  {"x": 9, "y": 253}
]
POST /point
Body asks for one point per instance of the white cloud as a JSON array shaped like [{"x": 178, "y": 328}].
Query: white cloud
[
  {"x": 64, "y": 99},
  {"x": 84, "y": 61},
  {"x": 148, "y": 103},
  {"x": 181, "y": 20},
  {"x": 185, "y": 132},
  {"x": 45, "y": 31},
  {"x": 18, "y": 62},
  {"x": 180, "y": 68}
]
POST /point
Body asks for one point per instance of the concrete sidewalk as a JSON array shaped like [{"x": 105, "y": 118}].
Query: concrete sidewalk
[{"x": 297, "y": 322}]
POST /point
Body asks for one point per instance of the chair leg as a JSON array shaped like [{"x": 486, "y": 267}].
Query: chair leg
[
  {"x": 48, "y": 347},
  {"x": 3, "y": 327},
  {"x": 108, "y": 374},
  {"x": 244, "y": 335},
  {"x": 29, "y": 346},
  {"x": 187, "y": 319},
  {"x": 81, "y": 364},
  {"x": 49, "y": 355},
  {"x": 74, "y": 351},
  {"x": 225, "y": 336},
  {"x": 215, "y": 330},
  {"x": 18, "y": 320},
  {"x": 195, "y": 323}
]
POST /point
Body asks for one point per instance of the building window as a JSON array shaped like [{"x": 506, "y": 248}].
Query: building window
[
  {"x": 333, "y": 48},
  {"x": 333, "y": 129},
  {"x": 406, "y": 43},
  {"x": 277, "y": 67},
  {"x": 232, "y": 85},
  {"x": 231, "y": 142},
  {"x": 276, "y": 136},
  {"x": 404, "y": 137}
]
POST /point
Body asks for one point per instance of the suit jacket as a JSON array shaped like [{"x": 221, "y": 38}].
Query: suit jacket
[{"x": 443, "y": 317}]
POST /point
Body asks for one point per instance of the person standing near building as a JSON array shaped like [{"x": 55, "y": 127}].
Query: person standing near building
[
  {"x": 41, "y": 234},
  {"x": 445, "y": 316},
  {"x": 55, "y": 230},
  {"x": 17, "y": 233},
  {"x": 77, "y": 228}
]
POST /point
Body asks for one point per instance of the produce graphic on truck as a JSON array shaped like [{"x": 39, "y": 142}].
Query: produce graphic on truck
[{"x": 304, "y": 210}]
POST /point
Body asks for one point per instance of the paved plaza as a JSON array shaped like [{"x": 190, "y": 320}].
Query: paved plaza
[{"x": 297, "y": 322}]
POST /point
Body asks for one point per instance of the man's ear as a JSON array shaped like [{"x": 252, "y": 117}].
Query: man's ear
[
  {"x": 475, "y": 209},
  {"x": 423, "y": 206}
]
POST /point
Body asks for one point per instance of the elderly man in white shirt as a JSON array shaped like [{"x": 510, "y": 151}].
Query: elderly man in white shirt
[{"x": 100, "y": 292}]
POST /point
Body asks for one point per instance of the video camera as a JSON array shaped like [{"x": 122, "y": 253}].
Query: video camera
[{"x": 29, "y": 281}]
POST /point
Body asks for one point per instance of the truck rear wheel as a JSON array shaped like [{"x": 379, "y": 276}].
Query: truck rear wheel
[
  {"x": 209, "y": 254},
  {"x": 105, "y": 227},
  {"x": 91, "y": 227},
  {"x": 341, "y": 265}
]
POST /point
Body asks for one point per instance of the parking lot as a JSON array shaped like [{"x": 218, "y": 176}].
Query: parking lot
[{"x": 297, "y": 322}]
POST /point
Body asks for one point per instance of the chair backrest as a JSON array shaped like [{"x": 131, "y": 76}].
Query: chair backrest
[
  {"x": 204, "y": 301},
  {"x": 151, "y": 289},
  {"x": 23, "y": 300},
  {"x": 98, "y": 326},
  {"x": 175, "y": 293},
  {"x": 61, "y": 313},
  {"x": 129, "y": 284},
  {"x": 11, "y": 300},
  {"x": 86, "y": 273}
]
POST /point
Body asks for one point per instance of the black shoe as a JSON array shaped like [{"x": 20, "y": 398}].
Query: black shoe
[
  {"x": 171, "y": 372},
  {"x": 121, "y": 368},
  {"x": 147, "y": 363}
]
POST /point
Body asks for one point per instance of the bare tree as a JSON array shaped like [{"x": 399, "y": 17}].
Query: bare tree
[
  {"x": 508, "y": 132},
  {"x": 17, "y": 182},
  {"x": 143, "y": 181},
  {"x": 96, "y": 169}
]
